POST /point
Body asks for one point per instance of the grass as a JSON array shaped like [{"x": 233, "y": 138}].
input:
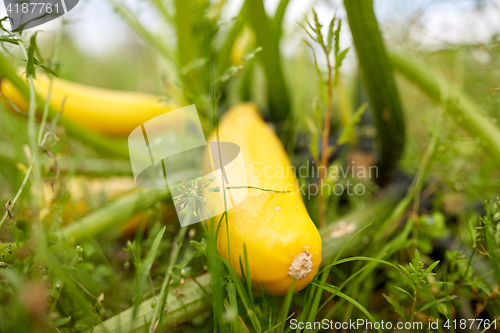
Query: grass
[{"x": 421, "y": 245}]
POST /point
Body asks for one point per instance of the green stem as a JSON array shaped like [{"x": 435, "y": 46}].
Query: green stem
[
  {"x": 270, "y": 57},
  {"x": 18, "y": 195},
  {"x": 132, "y": 21},
  {"x": 469, "y": 262},
  {"x": 111, "y": 215},
  {"x": 223, "y": 61},
  {"x": 189, "y": 43},
  {"x": 415, "y": 298},
  {"x": 95, "y": 166},
  {"x": 83, "y": 166},
  {"x": 379, "y": 82},
  {"x": 180, "y": 309},
  {"x": 31, "y": 140},
  {"x": 465, "y": 111},
  {"x": 278, "y": 17},
  {"x": 163, "y": 10},
  {"x": 255, "y": 188},
  {"x": 158, "y": 318}
]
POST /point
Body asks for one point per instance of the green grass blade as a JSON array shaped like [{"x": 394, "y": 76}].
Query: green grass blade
[
  {"x": 233, "y": 305},
  {"x": 278, "y": 17},
  {"x": 246, "y": 274},
  {"x": 246, "y": 298},
  {"x": 271, "y": 329},
  {"x": 159, "y": 313},
  {"x": 145, "y": 269},
  {"x": 333, "y": 289},
  {"x": 286, "y": 305},
  {"x": 342, "y": 261}
]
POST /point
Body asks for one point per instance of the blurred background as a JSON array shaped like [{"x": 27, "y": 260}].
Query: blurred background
[{"x": 95, "y": 33}]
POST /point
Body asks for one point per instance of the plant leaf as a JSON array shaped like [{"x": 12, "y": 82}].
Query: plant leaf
[
  {"x": 438, "y": 301},
  {"x": 349, "y": 128},
  {"x": 403, "y": 291},
  {"x": 331, "y": 34},
  {"x": 431, "y": 267},
  {"x": 398, "y": 308}
]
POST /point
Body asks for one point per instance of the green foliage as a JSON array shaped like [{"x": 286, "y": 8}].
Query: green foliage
[{"x": 408, "y": 257}]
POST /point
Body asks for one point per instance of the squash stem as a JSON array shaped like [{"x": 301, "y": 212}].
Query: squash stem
[{"x": 380, "y": 84}]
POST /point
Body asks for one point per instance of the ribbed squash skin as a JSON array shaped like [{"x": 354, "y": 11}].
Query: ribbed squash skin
[
  {"x": 275, "y": 227},
  {"x": 107, "y": 111}
]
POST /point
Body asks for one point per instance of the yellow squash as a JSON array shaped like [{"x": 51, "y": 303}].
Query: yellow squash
[
  {"x": 280, "y": 238},
  {"x": 110, "y": 112}
]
